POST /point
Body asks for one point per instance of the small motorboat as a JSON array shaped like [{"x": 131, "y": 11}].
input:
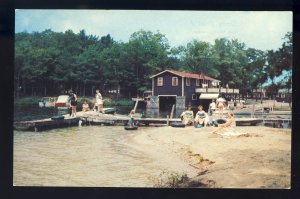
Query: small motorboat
[
  {"x": 58, "y": 117},
  {"x": 127, "y": 127},
  {"x": 62, "y": 102},
  {"x": 177, "y": 124},
  {"x": 109, "y": 110},
  {"x": 47, "y": 102}
]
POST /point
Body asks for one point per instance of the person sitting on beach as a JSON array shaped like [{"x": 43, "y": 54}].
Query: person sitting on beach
[
  {"x": 188, "y": 116},
  {"x": 201, "y": 117},
  {"x": 230, "y": 122},
  {"x": 131, "y": 120},
  {"x": 85, "y": 106},
  {"x": 229, "y": 126}
]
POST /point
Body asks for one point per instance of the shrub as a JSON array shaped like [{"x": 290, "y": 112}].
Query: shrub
[{"x": 171, "y": 179}]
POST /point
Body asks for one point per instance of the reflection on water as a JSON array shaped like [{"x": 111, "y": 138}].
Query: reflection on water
[
  {"x": 25, "y": 113},
  {"x": 80, "y": 156}
]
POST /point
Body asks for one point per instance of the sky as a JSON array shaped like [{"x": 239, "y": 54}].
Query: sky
[{"x": 262, "y": 30}]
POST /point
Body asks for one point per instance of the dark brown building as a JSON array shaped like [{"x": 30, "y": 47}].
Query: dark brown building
[{"x": 180, "y": 88}]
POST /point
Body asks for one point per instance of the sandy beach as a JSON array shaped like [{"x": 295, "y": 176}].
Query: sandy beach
[{"x": 260, "y": 158}]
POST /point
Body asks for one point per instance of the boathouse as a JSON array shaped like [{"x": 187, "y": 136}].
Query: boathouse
[{"x": 171, "y": 87}]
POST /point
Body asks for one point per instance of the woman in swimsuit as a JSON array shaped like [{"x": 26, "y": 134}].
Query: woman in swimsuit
[
  {"x": 73, "y": 101},
  {"x": 201, "y": 117},
  {"x": 188, "y": 116}
]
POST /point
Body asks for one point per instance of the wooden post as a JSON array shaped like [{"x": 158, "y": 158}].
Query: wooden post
[
  {"x": 252, "y": 114},
  {"x": 168, "y": 120},
  {"x": 172, "y": 111},
  {"x": 136, "y": 103}
]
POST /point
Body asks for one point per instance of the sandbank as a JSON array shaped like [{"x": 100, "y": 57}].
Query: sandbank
[{"x": 261, "y": 158}]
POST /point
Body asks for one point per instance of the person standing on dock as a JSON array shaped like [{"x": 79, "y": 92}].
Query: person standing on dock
[
  {"x": 99, "y": 101},
  {"x": 73, "y": 102}
]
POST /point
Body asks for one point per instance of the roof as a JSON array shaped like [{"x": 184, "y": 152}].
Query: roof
[{"x": 185, "y": 74}]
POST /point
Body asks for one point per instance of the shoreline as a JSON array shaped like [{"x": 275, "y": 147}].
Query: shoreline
[{"x": 258, "y": 158}]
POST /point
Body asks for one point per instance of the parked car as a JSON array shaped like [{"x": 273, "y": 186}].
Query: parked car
[
  {"x": 62, "y": 102},
  {"x": 47, "y": 102}
]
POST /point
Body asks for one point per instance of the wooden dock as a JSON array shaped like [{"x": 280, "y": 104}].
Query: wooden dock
[
  {"x": 45, "y": 124},
  {"x": 94, "y": 118}
]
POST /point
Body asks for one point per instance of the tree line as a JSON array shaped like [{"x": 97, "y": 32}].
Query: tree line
[{"x": 50, "y": 63}]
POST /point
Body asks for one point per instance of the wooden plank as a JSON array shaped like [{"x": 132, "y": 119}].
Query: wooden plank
[
  {"x": 172, "y": 111},
  {"x": 135, "y": 106}
]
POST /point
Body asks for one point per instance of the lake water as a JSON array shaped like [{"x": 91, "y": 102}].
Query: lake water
[{"x": 95, "y": 156}]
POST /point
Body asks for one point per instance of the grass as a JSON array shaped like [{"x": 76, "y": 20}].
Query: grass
[
  {"x": 27, "y": 101},
  {"x": 170, "y": 180}
]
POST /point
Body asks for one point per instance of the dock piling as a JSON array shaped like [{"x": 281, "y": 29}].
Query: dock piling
[
  {"x": 172, "y": 111},
  {"x": 168, "y": 120}
]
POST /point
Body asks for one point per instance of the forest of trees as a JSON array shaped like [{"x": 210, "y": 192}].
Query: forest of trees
[{"x": 49, "y": 63}]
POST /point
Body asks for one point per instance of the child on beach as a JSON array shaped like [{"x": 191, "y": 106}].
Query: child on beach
[
  {"x": 188, "y": 116},
  {"x": 201, "y": 117}
]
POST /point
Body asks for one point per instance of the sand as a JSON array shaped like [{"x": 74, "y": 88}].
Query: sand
[{"x": 259, "y": 159}]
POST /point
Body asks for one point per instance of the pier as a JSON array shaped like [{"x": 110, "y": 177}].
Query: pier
[{"x": 94, "y": 118}]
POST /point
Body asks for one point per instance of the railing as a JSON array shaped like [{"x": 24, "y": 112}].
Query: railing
[{"x": 217, "y": 90}]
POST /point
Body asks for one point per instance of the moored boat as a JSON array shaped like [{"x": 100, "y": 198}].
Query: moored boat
[
  {"x": 47, "y": 102},
  {"x": 62, "y": 102},
  {"x": 109, "y": 110}
]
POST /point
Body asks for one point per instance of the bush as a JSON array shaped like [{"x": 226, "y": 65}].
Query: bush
[
  {"x": 118, "y": 102},
  {"x": 171, "y": 179},
  {"x": 107, "y": 102}
]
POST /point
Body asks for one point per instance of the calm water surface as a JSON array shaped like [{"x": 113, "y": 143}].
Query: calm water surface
[{"x": 80, "y": 156}]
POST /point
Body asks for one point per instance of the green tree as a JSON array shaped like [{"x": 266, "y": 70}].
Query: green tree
[{"x": 198, "y": 58}]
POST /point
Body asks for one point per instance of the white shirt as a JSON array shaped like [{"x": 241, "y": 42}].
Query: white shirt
[{"x": 213, "y": 105}]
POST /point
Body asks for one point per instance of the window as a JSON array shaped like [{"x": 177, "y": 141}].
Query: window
[
  {"x": 197, "y": 82},
  {"x": 187, "y": 81},
  {"x": 174, "y": 81},
  {"x": 160, "y": 81},
  {"x": 194, "y": 97}
]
